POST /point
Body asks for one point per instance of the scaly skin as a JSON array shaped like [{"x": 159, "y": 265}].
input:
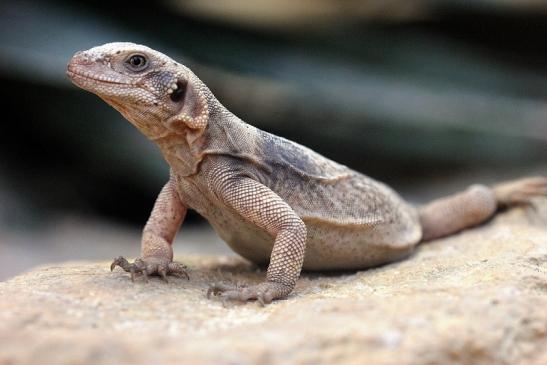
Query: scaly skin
[{"x": 270, "y": 199}]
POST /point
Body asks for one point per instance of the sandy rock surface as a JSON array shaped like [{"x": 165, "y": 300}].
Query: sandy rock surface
[{"x": 479, "y": 297}]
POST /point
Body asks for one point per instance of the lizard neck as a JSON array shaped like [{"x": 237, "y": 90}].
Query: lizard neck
[
  {"x": 225, "y": 135},
  {"x": 178, "y": 153},
  {"x": 230, "y": 136}
]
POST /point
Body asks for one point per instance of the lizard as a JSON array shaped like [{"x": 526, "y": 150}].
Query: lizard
[{"x": 273, "y": 201}]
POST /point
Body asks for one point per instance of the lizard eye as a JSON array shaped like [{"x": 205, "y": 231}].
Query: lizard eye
[{"x": 137, "y": 62}]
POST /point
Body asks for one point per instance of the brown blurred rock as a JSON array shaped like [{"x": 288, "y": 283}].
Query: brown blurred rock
[{"x": 479, "y": 297}]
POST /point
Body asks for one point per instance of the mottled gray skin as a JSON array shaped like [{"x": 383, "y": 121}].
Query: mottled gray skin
[
  {"x": 272, "y": 200},
  {"x": 352, "y": 221}
]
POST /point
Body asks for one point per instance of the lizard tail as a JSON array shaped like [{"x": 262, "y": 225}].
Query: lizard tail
[
  {"x": 445, "y": 216},
  {"x": 477, "y": 204}
]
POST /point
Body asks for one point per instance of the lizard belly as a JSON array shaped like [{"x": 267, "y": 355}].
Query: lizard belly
[
  {"x": 335, "y": 246},
  {"x": 328, "y": 246},
  {"x": 332, "y": 247},
  {"x": 243, "y": 237}
]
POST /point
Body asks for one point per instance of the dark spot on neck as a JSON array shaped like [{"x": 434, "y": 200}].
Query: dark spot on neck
[{"x": 178, "y": 94}]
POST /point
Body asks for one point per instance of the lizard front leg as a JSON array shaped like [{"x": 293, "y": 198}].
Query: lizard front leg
[
  {"x": 264, "y": 208},
  {"x": 157, "y": 238}
]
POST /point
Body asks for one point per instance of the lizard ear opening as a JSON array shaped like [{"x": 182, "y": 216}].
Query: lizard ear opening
[
  {"x": 180, "y": 92},
  {"x": 193, "y": 113}
]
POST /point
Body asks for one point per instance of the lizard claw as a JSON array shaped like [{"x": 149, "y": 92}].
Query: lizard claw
[
  {"x": 119, "y": 261},
  {"x": 150, "y": 266},
  {"x": 177, "y": 269},
  {"x": 264, "y": 293},
  {"x": 162, "y": 271}
]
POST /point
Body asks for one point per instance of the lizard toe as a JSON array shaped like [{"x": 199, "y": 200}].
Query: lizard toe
[
  {"x": 119, "y": 261},
  {"x": 264, "y": 293},
  {"x": 162, "y": 271},
  {"x": 146, "y": 267},
  {"x": 177, "y": 269},
  {"x": 217, "y": 289}
]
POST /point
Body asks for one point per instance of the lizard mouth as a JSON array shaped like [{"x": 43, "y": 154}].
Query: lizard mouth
[{"x": 84, "y": 76}]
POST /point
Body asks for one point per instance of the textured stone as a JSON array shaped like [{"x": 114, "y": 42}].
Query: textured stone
[{"x": 478, "y": 297}]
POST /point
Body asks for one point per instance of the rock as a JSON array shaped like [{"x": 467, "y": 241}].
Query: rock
[{"x": 478, "y": 297}]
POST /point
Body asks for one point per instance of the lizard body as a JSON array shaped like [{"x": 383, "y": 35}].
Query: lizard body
[{"x": 272, "y": 200}]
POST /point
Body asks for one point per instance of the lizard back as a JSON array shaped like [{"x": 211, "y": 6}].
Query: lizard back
[{"x": 317, "y": 188}]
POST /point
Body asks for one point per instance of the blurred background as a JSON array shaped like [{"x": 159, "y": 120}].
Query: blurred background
[{"x": 426, "y": 95}]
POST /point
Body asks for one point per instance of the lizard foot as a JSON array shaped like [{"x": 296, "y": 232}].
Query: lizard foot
[
  {"x": 264, "y": 293},
  {"x": 520, "y": 192},
  {"x": 151, "y": 266}
]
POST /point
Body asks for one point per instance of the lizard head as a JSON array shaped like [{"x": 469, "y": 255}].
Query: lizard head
[{"x": 158, "y": 95}]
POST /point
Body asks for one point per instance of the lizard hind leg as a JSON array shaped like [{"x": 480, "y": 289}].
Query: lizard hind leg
[{"x": 477, "y": 204}]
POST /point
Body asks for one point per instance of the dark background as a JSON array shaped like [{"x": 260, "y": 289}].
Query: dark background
[{"x": 427, "y": 96}]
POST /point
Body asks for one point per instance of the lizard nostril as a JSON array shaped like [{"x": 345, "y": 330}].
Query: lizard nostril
[{"x": 81, "y": 58}]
